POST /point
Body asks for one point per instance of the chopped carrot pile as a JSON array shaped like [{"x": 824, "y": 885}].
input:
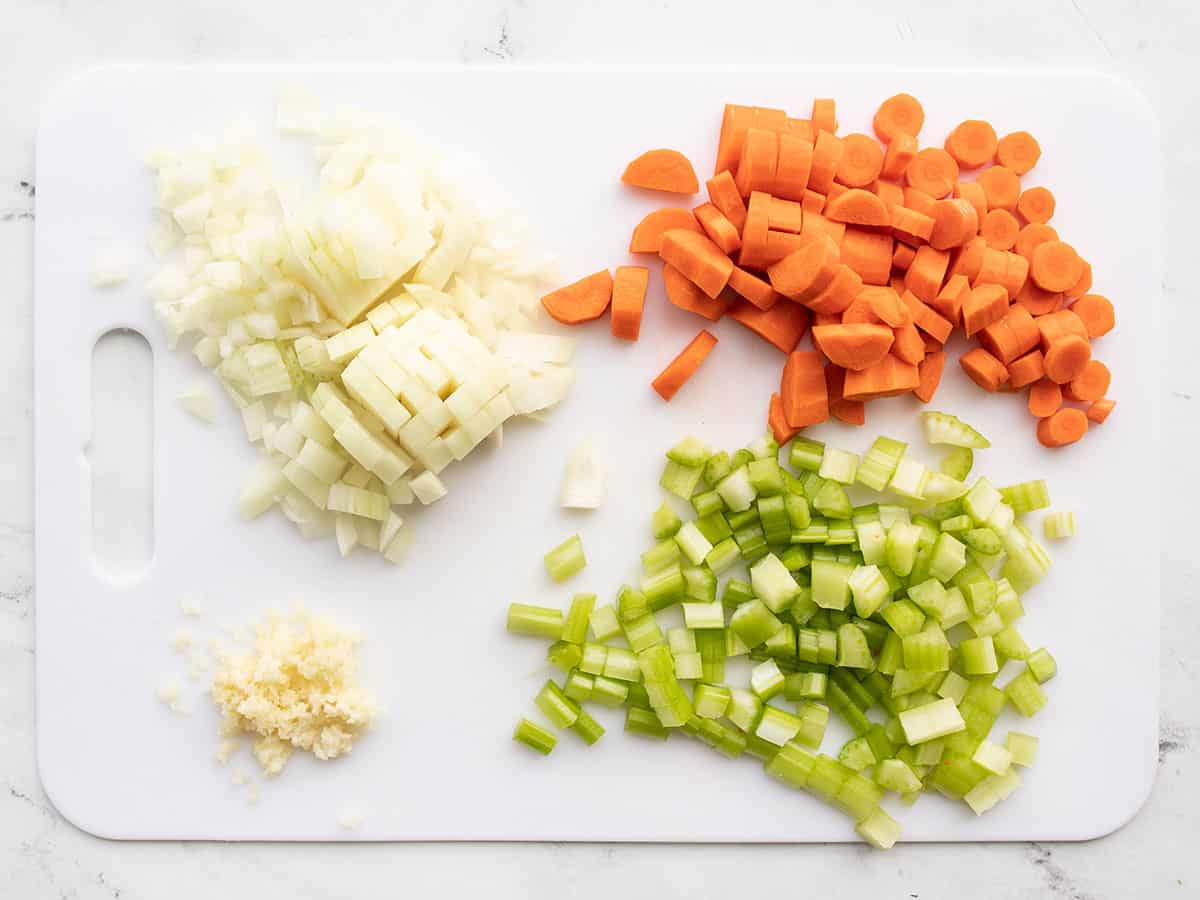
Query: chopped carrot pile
[{"x": 887, "y": 247}]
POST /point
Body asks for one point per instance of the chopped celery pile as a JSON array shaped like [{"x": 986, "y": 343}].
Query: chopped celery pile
[{"x": 875, "y": 590}]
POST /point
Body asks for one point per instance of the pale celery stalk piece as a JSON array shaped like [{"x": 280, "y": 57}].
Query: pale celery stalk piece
[
  {"x": 1023, "y": 747},
  {"x": 934, "y": 720},
  {"x": 1059, "y": 525}
]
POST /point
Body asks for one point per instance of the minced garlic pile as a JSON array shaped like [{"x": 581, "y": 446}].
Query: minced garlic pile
[{"x": 296, "y": 687}]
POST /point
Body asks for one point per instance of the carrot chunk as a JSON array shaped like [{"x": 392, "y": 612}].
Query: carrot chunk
[
  {"x": 949, "y": 301},
  {"x": 1001, "y": 186},
  {"x": 911, "y": 226},
  {"x": 852, "y": 412},
  {"x": 1063, "y": 427},
  {"x": 890, "y": 377},
  {"x": 806, "y": 271},
  {"x": 1031, "y": 236},
  {"x": 968, "y": 259},
  {"x": 583, "y": 301},
  {"x": 1016, "y": 273},
  {"x": 813, "y": 202},
  {"x": 887, "y": 306},
  {"x": 752, "y": 288},
  {"x": 900, "y": 115},
  {"x": 782, "y": 325},
  {"x": 836, "y": 296},
  {"x": 930, "y": 320},
  {"x": 902, "y": 256},
  {"x": 662, "y": 170},
  {"x": 1044, "y": 398},
  {"x": 1036, "y": 205},
  {"x": 794, "y": 166},
  {"x": 754, "y": 234},
  {"x": 933, "y": 171},
  {"x": 698, "y": 258},
  {"x": 1091, "y": 384},
  {"x": 735, "y": 121},
  {"x": 1059, "y": 324},
  {"x": 1099, "y": 410},
  {"x": 955, "y": 222},
  {"x": 927, "y": 272},
  {"x": 1027, "y": 369},
  {"x": 1055, "y": 266},
  {"x": 824, "y": 115},
  {"x": 1084, "y": 284},
  {"x": 683, "y": 366},
  {"x": 1011, "y": 336},
  {"x": 855, "y": 346},
  {"x": 919, "y": 201},
  {"x": 986, "y": 304},
  {"x": 1018, "y": 151},
  {"x": 827, "y": 154},
  {"x": 869, "y": 254},
  {"x": 929, "y": 374},
  {"x": 802, "y": 389},
  {"x": 685, "y": 295},
  {"x": 756, "y": 167},
  {"x": 889, "y": 192},
  {"x": 718, "y": 228},
  {"x": 861, "y": 162},
  {"x": 1096, "y": 313},
  {"x": 907, "y": 344},
  {"x": 972, "y": 192},
  {"x": 858, "y": 207},
  {"x": 1067, "y": 358},
  {"x": 785, "y": 215},
  {"x": 647, "y": 236},
  {"x": 628, "y": 301},
  {"x": 777, "y": 422},
  {"x": 983, "y": 368},
  {"x": 1037, "y": 301},
  {"x": 972, "y": 143},
  {"x": 723, "y": 193},
  {"x": 1000, "y": 228}
]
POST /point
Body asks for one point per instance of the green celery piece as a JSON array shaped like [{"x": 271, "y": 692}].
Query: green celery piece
[
  {"x": 736, "y": 593},
  {"x": 773, "y": 583},
  {"x": 680, "y": 480},
  {"x": 722, "y": 556},
  {"x": 804, "y": 607},
  {"x": 1026, "y": 496},
  {"x": 710, "y": 644},
  {"x": 791, "y": 764},
  {"x": 773, "y": 517},
  {"x": 980, "y": 597},
  {"x": 691, "y": 452},
  {"x": 896, "y": 775},
  {"x": 840, "y": 532},
  {"x": 831, "y": 584},
  {"x": 926, "y": 651},
  {"x": 957, "y": 462},
  {"x": 795, "y": 558},
  {"x": 736, "y": 489},
  {"x": 934, "y": 720},
  {"x": 764, "y": 446},
  {"x": 816, "y": 532},
  {"x": 901, "y": 547},
  {"x": 714, "y": 527},
  {"x": 879, "y": 829},
  {"x": 664, "y": 522},
  {"x": 868, "y": 589},
  {"x": 978, "y": 656},
  {"x": 609, "y": 691},
  {"x": 814, "y": 717},
  {"x": 872, "y": 541},
  {"x": 707, "y": 502},
  {"x": 664, "y": 588},
  {"x": 804, "y": 686},
  {"x": 831, "y": 501},
  {"x": 947, "y": 509},
  {"x": 661, "y": 556},
  {"x": 739, "y": 520},
  {"x": 805, "y": 454},
  {"x": 579, "y": 686},
  {"x": 1042, "y": 665},
  {"x": 890, "y": 514},
  {"x": 859, "y": 797},
  {"x": 839, "y": 465},
  {"x": 1023, "y": 747},
  {"x": 717, "y": 467},
  {"x": 944, "y": 428},
  {"x": 941, "y": 488},
  {"x": 904, "y": 617},
  {"x": 948, "y": 559},
  {"x": 576, "y": 625},
  {"x": 856, "y": 754},
  {"x": 765, "y": 476},
  {"x": 879, "y": 463},
  {"x": 766, "y": 680},
  {"x": 1025, "y": 694},
  {"x": 588, "y": 728},
  {"x": 876, "y": 633},
  {"x": 984, "y": 540},
  {"x": 640, "y": 633},
  {"x": 798, "y": 512},
  {"x": 753, "y": 622},
  {"x": 841, "y": 704},
  {"x": 956, "y": 524},
  {"x": 740, "y": 458},
  {"x": 700, "y": 585},
  {"x": 556, "y": 706},
  {"x": 853, "y": 651},
  {"x": 711, "y": 700},
  {"x": 537, "y": 621},
  {"x": 565, "y": 656},
  {"x": 1059, "y": 525},
  {"x": 535, "y": 737},
  {"x": 631, "y": 603},
  {"x": 891, "y": 657},
  {"x": 566, "y": 559},
  {"x": 692, "y": 543},
  {"x": 645, "y": 722}
]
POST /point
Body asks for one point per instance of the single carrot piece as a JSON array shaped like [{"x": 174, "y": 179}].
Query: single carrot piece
[
  {"x": 968, "y": 259},
  {"x": 734, "y": 123},
  {"x": 628, "y": 301},
  {"x": 647, "y": 236},
  {"x": 785, "y": 215},
  {"x": 927, "y": 272},
  {"x": 1066, "y": 358},
  {"x": 1000, "y": 228},
  {"x": 801, "y": 128},
  {"x": 782, "y": 325},
  {"x": 1059, "y": 324},
  {"x": 890, "y": 193},
  {"x": 1045, "y": 397},
  {"x": 954, "y": 223},
  {"x": 896, "y": 281},
  {"x": 793, "y": 167},
  {"x": 754, "y": 234},
  {"x": 683, "y": 366},
  {"x": 986, "y": 304},
  {"x": 698, "y": 258},
  {"x": 685, "y": 295},
  {"x": 886, "y": 305},
  {"x": 1031, "y": 236},
  {"x": 1091, "y": 384},
  {"x": 858, "y": 207},
  {"x": 1027, "y": 369},
  {"x": 1001, "y": 186},
  {"x": 1055, "y": 266},
  {"x": 1036, "y": 205},
  {"x": 983, "y": 369},
  {"x": 902, "y": 256},
  {"x": 1038, "y": 301},
  {"x": 890, "y": 377},
  {"x": 933, "y": 171},
  {"x": 806, "y": 271},
  {"x": 1096, "y": 313},
  {"x": 949, "y": 301},
  {"x": 779, "y": 245},
  {"x": 861, "y": 162},
  {"x": 802, "y": 389},
  {"x": 1016, "y": 273},
  {"x": 827, "y": 154},
  {"x": 752, "y": 288},
  {"x": 899, "y": 153},
  {"x": 836, "y": 296},
  {"x": 1018, "y": 151},
  {"x": 919, "y": 201},
  {"x": 972, "y": 143},
  {"x": 583, "y": 301},
  {"x": 816, "y": 223},
  {"x": 723, "y": 193},
  {"x": 929, "y": 375},
  {"x": 900, "y": 115},
  {"x": 993, "y": 269},
  {"x": 972, "y": 192},
  {"x": 1012, "y": 335},
  {"x": 718, "y": 228},
  {"x": 861, "y": 311},
  {"x": 928, "y": 319},
  {"x": 824, "y": 116},
  {"x": 1062, "y": 428},
  {"x": 856, "y": 346},
  {"x": 662, "y": 170},
  {"x": 908, "y": 344},
  {"x": 1084, "y": 284},
  {"x": 813, "y": 201},
  {"x": 1099, "y": 410},
  {"x": 756, "y": 167},
  {"x": 778, "y": 423},
  {"x": 911, "y": 226},
  {"x": 868, "y": 253},
  {"x": 852, "y": 412}
]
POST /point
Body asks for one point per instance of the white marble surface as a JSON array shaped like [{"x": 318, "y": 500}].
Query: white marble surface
[{"x": 1150, "y": 43}]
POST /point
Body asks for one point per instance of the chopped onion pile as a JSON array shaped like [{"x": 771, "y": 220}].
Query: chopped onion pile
[
  {"x": 371, "y": 330},
  {"x": 897, "y": 615}
]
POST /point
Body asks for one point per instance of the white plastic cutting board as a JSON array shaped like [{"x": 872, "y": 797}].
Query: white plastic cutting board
[{"x": 440, "y": 764}]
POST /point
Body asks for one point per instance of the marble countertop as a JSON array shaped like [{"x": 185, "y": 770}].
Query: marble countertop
[{"x": 1151, "y": 45}]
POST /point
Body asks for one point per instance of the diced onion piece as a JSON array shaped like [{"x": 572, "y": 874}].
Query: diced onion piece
[{"x": 198, "y": 400}]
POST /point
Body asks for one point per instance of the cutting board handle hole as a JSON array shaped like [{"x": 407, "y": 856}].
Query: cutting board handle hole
[{"x": 120, "y": 454}]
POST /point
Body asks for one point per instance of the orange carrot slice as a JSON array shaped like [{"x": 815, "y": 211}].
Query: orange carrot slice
[
  {"x": 1027, "y": 369},
  {"x": 683, "y": 366},
  {"x": 1055, "y": 266},
  {"x": 858, "y": 207},
  {"x": 1044, "y": 398},
  {"x": 890, "y": 377},
  {"x": 753, "y": 288},
  {"x": 1066, "y": 358},
  {"x": 807, "y": 270},
  {"x": 685, "y": 295},
  {"x": 889, "y": 192},
  {"x": 1059, "y": 324},
  {"x": 794, "y": 166},
  {"x": 861, "y": 162},
  {"x": 1037, "y": 301},
  {"x": 777, "y": 422},
  {"x": 930, "y": 320},
  {"x": 782, "y": 325},
  {"x": 972, "y": 143},
  {"x": 1018, "y": 151},
  {"x": 785, "y": 215},
  {"x": 1016, "y": 273},
  {"x": 983, "y": 369},
  {"x": 908, "y": 344},
  {"x": 628, "y": 301},
  {"x": 927, "y": 272},
  {"x": 836, "y": 296},
  {"x": 869, "y": 254},
  {"x": 955, "y": 222},
  {"x": 1000, "y": 229},
  {"x": 756, "y": 167},
  {"x": 852, "y": 412},
  {"x": 1091, "y": 384},
  {"x": 1062, "y": 428},
  {"x": 856, "y": 346},
  {"x": 1036, "y": 205},
  {"x": 724, "y": 196},
  {"x": 949, "y": 301},
  {"x": 802, "y": 389},
  {"x": 662, "y": 170},
  {"x": 1099, "y": 410},
  {"x": 1012, "y": 335},
  {"x": 734, "y": 123},
  {"x": 647, "y": 236},
  {"x": 813, "y": 202},
  {"x": 816, "y": 223},
  {"x": 718, "y": 228},
  {"x": 911, "y": 226},
  {"x": 902, "y": 255},
  {"x": 929, "y": 375},
  {"x": 1001, "y": 186},
  {"x": 583, "y": 301},
  {"x": 968, "y": 259},
  {"x": 885, "y": 303},
  {"x": 900, "y": 152},
  {"x": 1084, "y": 284},
  {"x": 919, "y": 201},
  {"x": 973, "y": 193},
  {"x": 754, "y": 234},
  {"x": 898, "y": 115},
  {"x": 1096, "y": 313},
  {"x": 698, "y": 258},
  {"x": 1031, "y": 236},
  {"x": 932, "y": 171},
  {"x": 986, "y": 304},
  {"x": 827, "y": 153},
  {"x": 824, "y": 115}
]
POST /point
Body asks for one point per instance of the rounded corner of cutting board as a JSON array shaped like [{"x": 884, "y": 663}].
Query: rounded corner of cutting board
[{"x": 64, "y": 797}]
